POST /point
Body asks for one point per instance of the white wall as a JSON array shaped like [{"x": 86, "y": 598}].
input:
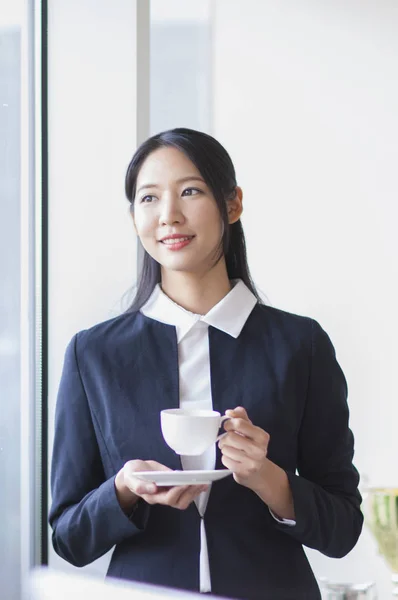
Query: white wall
[
  {"x": 93, "y": 87},
  {"x": 306, "y": 97}
]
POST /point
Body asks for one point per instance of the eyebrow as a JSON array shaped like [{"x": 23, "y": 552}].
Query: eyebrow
[{"x": 182, "y": 180}]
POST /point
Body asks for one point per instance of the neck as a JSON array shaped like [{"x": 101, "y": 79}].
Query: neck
[{"x": 197, "y": 293}]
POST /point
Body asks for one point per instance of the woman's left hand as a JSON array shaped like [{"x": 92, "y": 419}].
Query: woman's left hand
[{"x": 244, "y": 449}]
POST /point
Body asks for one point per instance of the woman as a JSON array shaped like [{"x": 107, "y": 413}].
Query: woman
[{"x": 198, "y": 336}]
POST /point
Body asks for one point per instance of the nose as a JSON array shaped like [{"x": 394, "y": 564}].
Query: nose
[{"x": 171, "y": 212}]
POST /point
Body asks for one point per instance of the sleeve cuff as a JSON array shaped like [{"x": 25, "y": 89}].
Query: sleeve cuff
[
  {"x": 139, "y": 514},
  {"x": 122, "y": 526},
  {"x": 288, "y": 522}
]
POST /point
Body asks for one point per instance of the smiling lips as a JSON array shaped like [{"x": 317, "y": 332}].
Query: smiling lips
[{"x": 177, "y": 242}]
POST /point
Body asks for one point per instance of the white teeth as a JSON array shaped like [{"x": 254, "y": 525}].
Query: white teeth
[{"x": 170, "y": 242}]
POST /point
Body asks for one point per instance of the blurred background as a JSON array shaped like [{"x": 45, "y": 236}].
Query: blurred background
[{"x": 304, "y": 97}]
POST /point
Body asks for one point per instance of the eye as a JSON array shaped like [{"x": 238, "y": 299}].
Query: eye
[
  {"x": 191, "y": 192},
  {"x": 147, "y": 199}
]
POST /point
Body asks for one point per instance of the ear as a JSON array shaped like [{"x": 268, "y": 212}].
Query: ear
[{"x": 235, "y": 206}]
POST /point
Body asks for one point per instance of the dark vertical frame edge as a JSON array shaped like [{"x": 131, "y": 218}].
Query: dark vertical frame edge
[{"x": 44, "y": 283}]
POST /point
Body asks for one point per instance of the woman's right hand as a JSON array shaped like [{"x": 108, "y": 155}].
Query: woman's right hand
[{"x": 129, "y": 488}]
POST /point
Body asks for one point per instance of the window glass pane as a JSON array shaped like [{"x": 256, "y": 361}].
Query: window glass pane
[
  {"x": 180, "y": 65},
  {"x": 11, "y": 32},
  {"x": 10, "y": 57}
]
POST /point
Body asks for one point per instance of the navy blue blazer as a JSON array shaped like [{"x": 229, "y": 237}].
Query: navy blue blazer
[{"x": 120, "y": 374}]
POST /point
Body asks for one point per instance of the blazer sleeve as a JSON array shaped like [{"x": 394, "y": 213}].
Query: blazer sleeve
[
  {"x": 325, "y": 491},
  {"x": 85, "y": 514}
]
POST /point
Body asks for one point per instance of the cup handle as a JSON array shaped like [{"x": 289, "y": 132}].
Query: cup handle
[{"x": 224, "y": 418}]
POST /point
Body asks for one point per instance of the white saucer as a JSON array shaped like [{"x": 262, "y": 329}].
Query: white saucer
[{"x": 170, "y": 478}]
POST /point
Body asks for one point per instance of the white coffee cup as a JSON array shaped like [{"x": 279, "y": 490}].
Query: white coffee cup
[{"x": 190, "y": 432}]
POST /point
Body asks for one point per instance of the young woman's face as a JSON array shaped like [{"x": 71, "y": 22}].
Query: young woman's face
[{"x": 175, "y": 213}]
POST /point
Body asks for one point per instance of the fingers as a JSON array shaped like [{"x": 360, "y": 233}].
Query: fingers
[
  {"x": 187, "y": 495},
  {"x": 137, "y": 486},
  {"x": 179, "y": 497},
  {"x": 244, "y": 446},
  {"x": 142, "y": 487},
  {"x": 238, "y": 412},
  {"x": 240, "y": 423},
  {"x": 242, "y": 463},
  {"x": 153, "y": 465},
  {"x": 234, "y": 454},
  {"x": 134, "y": 466},
  {"x": 255, "y": 449},
  {"x": 244, "y": 469},
  {"x": 247, "y": 429}
]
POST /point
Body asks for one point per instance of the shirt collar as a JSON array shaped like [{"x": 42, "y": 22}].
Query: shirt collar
[{"x": 229, "y": 315}]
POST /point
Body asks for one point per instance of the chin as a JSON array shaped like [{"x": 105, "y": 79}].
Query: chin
[{"x": 179, "y": 267}]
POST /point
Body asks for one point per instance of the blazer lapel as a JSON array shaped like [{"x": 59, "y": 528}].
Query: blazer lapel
[
  {"x": 148, "y": 379},
  {"x": 221, "y": 344}
]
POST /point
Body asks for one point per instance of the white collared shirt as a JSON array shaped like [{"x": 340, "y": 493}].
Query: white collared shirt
[{"x": 229, "y": 316}]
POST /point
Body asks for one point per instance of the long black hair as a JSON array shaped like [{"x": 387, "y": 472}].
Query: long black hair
[{"x": 215, "y": 166}]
